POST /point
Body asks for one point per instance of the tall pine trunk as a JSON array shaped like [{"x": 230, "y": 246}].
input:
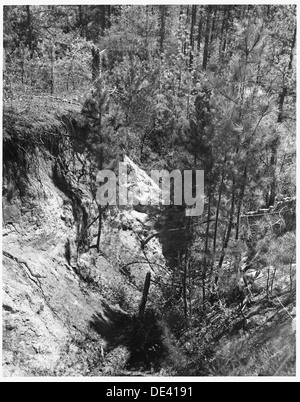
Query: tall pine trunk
[
  {"x": 95, "y": 63},
  {"x": 185, "y": 270},
  {"x": 52, "y": 57},
  {"x": 145, "y": 296},
  {"x": 100, "y": 166},
  {"x": 207, "y": 36},
  {"x": 228, "y": 232},
  {"x": 206, "y": 248},
  {"x": 224, "y": 32},
  {"x": 103, "y": 18},
  {"x": 213, "y": 28},
  {"x": 192, "y": 38},
  {"x": 80, "y": 17},
  {"x": 184, "y": 286},
  {"x": 241, "y": 198},
  {"x": 200, "y": 23},
  {"x": 29, "y": 28},
  {"x": 218, "y": 213},
  {"x": 162, "y": 11},
  {"x": 276, "y": 141}
]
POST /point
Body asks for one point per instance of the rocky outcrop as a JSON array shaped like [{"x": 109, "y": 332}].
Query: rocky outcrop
[{"x": 60, "y": 301}]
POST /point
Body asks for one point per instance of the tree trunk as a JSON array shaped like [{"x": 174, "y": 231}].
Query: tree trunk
[
  {"x": 283, "y": 92},
  {"x": 190, "y": 290},
  {"x": 103, "y": 18},
  {"x": 185, "y": 271},
  {"x": 268, "y": 282},
  {"x": 52, "y": 69},
  {"x": 95, "y": 63},
  {"x": 162, "y": 10},
  {"x": 244, "y": 180},
  {"x": 108, "y": 21},
  {"x": 291, "y": 274},
  {"x": 227, "y": 236},
  {"x": 206, "y": 249},
  {"x": 224, "y": 31},
  {"x": 147, "y": 34},
  {"x": 192, "y": 39},
  {"x": 29, "y": 36},
  {"x": 22, "y": 49},
  {"x": 213, "y": 33},
  {"x": 100, "y": 166},
  {"x": 275, "y": 143},
  {"x": 273, "y": 280},
  {"x": 82, "y": 32},
  {"x": 145, "y": 296},
  {"x": 199, "y": 29},
  {"x": 273, "y": 162},
  {"x": 99, "y": 229},
  {"x": 184, "y": 286},
  {"x": 219, "y": 202},
  {"x": 185, "y": 31},
  {"x": 207, "y": 36},
  {"x": 217, "y": 214}
]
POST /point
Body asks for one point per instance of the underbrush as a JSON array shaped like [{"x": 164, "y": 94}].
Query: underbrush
[
  {"x": 258, "y": 342},
  {"x": 270, "y": 351}
]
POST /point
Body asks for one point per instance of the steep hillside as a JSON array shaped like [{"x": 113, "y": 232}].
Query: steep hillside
[
  {"x": 71, "y": 310},
  {"x": 199, "y": 97},
  {"x": 60, "y": 304}
]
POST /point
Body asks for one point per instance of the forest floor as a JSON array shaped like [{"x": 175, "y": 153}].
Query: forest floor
[
  {"x": 120, "y": 331},
  {"x": 260, "y": 341}
]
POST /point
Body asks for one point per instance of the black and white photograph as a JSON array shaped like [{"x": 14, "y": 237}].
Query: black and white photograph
[{"x": 149, "y": 192}]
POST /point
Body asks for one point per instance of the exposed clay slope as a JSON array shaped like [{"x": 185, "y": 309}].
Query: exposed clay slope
[{"x": 59, "y": 306}]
